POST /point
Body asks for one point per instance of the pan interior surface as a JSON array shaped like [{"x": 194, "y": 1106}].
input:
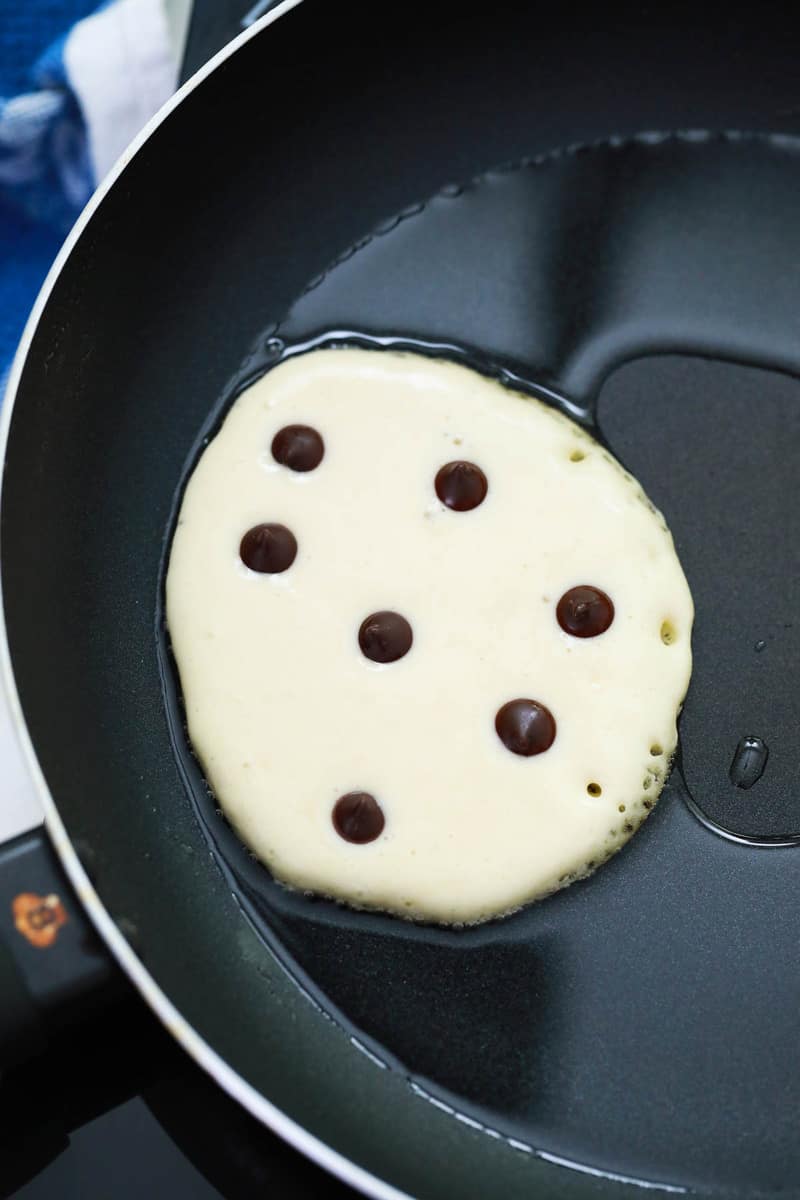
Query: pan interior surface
[
  {"x": 607, "y": 1025},
  {"x": 621, "y": 960}
]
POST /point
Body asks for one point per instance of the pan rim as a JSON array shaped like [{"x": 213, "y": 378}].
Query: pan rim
[{"x": 176, "y": 1024}]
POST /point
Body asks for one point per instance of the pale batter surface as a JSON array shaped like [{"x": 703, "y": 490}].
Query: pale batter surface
[{"x": 287, "y": 713}]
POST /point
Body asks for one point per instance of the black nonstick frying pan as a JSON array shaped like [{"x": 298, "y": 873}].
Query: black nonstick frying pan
[{"x": 639, "y": 259}]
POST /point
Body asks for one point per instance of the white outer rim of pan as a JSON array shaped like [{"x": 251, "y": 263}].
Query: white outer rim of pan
[{"x": 168, "y": 1014}]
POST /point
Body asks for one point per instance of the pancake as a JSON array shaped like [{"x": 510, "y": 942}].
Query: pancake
[{"x": 432, "y": 639}]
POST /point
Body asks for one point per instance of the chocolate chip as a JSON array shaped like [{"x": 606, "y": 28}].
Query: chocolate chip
[
  {"x": 461, "y": 485},
  {"x": 298, "y": 447},
  {"x": 357, "y": 817},
  {"x": 268, "y": 548},
  {"x": 385, "y": 636},
  {"x": 585, "y": 611},
  {"x": 525, "y": 727}
]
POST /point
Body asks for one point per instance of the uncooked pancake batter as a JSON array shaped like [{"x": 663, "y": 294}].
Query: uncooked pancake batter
[{"x": 432, "y": 639}]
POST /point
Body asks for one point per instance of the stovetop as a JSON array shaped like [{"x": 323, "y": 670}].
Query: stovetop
[{"x": 118, "y": 1109}]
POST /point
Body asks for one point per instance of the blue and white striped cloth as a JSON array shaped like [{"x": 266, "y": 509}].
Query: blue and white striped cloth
[{"x": 63, "y": 123}]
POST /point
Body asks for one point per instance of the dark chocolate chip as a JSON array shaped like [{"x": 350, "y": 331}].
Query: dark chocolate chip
[
  {"x": 585, "y": 611},
  {"x": 385, "y": 636},
  {"x": 358, "y": 818},
  {"x": 268, "y": 548},
  {"x": 461, "y": 485},
  {"x": 525, "y": 727},
  {"x": 298, "y": 447}
]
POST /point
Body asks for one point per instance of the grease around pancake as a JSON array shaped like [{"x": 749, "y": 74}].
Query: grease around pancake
[{"x": 421, "y": 635}]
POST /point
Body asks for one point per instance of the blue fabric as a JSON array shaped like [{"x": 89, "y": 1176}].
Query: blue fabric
[
  {"x": 43, "y": 186},
  {"x": 27, "y": 28}
]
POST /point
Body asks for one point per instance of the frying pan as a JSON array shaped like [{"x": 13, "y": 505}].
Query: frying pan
[{"x": 640, "y": 1028}]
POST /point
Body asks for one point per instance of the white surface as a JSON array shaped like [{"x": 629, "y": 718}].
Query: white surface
[
  {"x": 286, "y": 712},
  {"x": 123, "y": 68},
  {"x": 178, "y": 13},
  {"x": 20, "y": 807}
]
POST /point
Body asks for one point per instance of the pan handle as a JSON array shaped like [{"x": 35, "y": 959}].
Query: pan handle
[
  {"x": 75, "y": 1039},
  {"x": 54, "y": 971}
]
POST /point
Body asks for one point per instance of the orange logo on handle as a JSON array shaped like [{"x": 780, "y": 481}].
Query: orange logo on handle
[{"x": 38, "y": 918}]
